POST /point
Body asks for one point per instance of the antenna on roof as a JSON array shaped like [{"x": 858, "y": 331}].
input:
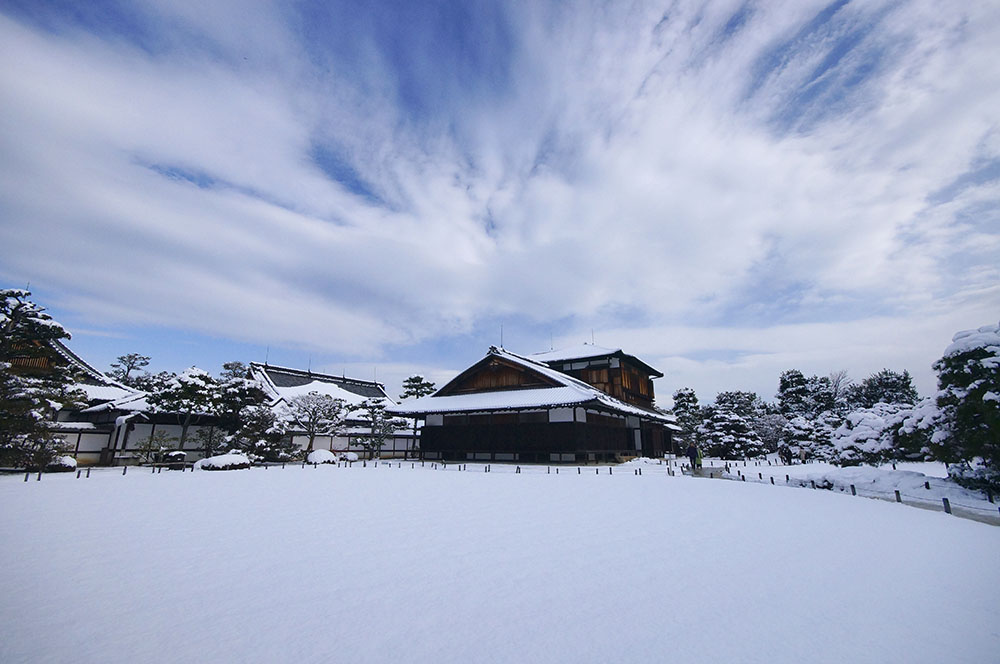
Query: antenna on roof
[
  {"x": 551, "y": 342},
  {"x": 309, "y": 366},
  {"x": 501, "y": 335},
  {"x": 592, "y": 342},
  {"x": 267, "y": 355}
]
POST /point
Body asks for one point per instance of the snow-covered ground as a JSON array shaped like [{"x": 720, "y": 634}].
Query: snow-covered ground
[{"x": 401, "y": 564}]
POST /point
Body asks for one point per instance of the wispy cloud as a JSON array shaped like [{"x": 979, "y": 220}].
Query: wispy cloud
[{"x": 365, "y": 181}]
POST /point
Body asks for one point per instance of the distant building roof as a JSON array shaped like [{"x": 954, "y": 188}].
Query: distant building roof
[
  {"x": 284, "y": 383},
  {"x": 569, "y": 391},
  {"x": 97, "y": 385}
]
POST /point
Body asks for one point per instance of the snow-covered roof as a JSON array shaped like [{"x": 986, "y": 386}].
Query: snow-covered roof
[
  {"x": 282, "y": 384},
  {"x": 134, "y": 402},
  {"x": 93, "y": 376},
  {"x": 569, "y": 391},
  {"x": 97, "y": 385}
]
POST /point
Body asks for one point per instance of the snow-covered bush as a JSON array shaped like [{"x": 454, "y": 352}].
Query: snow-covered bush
[
  {"x": 322, "y": 456},
  {"x": 62, "y": 464},
  {"x": 349, "y": 456},
  {"x": 866, "y": 436},
  {"x": 230, "y": 461}
]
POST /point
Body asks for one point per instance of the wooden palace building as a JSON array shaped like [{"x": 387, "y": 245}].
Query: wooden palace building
[{"x": 579, "y": 405}]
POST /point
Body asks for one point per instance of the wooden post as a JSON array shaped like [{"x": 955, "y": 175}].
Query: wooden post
[
  {"x": 854, "y": 491},
  {"x": 78, "y": 474},
  {"x": 760, "y": 476},
  {"x": 743, "y": 477},
  {"x": 124, "y": 470},
  {"x": 927, "y": 485},
  {"x": 772, "y": 479},
  {"x": 899, "y": 498},
  {"x": 989, "y": 495},
  {"x": 153, "y": 468},
  {"x": 894, "y": 465},
  {"x": 813, "y": 482},
  {"x": 947, "y": 506},
  {"x": 88, "y": 473},
  {"x": 27, "y": 473},
  {"x": 578, "y": 471},
  {"x": 640, "y": 471},
  {"x": 39, "y": 478},
  {"x": 786, "y": 479}
]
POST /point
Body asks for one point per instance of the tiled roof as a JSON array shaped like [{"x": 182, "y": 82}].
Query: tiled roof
[
  {"x": 571, "y": 392},
  {"x": 284, "y": 383}
]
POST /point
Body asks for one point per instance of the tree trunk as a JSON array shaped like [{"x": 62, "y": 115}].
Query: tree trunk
[{"x": 184, "y": 430}]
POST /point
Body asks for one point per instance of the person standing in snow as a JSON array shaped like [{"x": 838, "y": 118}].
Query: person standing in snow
[{"x": 693, "y": 454}]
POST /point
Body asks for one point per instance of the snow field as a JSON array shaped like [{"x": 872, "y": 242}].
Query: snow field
[{"x": 420, "y": 565}]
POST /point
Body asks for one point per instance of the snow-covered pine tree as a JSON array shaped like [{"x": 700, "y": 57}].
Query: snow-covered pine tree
[
  {"x": 807, "y": 439},
  {"x": 792, "y": 393},
  {"x": 867, "y": 436},
  {"x": 380, "y": 425},
  {"x": 728, "y": 435},
  {"x": 886, "y": 386},
  {"x": 968, "y": 425},
  {"x": 688, "y": 415},
  {"x": 34, "y": 385},
  {"x": 415, "y": 387},
  {"x": 317, "y": 415},
  {"x": 262, "y": 436},
  {"x": 194, "y": 392},
  {"x": 235, "y": 393}
]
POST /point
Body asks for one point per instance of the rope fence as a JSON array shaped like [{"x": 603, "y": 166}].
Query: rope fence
[{"x": 986, "y": 511}]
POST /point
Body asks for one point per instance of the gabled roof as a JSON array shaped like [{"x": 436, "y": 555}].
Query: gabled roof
[
  {"x": 96, "y": 384},
  {"x": 567, "y": 391},
  {"x": 282, "y": 383},
  {"x": 590, "y": 352}
]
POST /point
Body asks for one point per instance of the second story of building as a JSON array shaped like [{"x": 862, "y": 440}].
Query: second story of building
[{"x": 610, "y": 370}]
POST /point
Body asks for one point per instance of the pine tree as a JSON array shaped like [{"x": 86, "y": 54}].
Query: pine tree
[
  {"x": 792, "y": 393},
  {"x": 192, "y": 393},
  {"x": 728, "y": 435},
  {"x": 415, "y": 387},
  {"x": 235, "y": 393},
  {"x": 34, "y": 384},
  {"x": 317, "y": 415},
  {"x": 380, "y": 425},
  {"x": 807, "y": 439},
  {"x": 124, "y": 365},
  {"x": 262, "y": 436},
  {"x": 883, "y": 387},
  {"x": 867, "y": 436},
  {"x": 968, "y": 425},
  {"x": 688, "y": 415}
]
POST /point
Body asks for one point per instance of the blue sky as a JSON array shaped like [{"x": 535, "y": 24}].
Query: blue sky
[{"x": 726, "y": 189}]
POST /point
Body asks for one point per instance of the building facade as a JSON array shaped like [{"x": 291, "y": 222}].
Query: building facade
[{"x": 582, "y": 405}]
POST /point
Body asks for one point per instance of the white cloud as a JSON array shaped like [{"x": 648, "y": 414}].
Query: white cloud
[{"x": 629, "y": 174}]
